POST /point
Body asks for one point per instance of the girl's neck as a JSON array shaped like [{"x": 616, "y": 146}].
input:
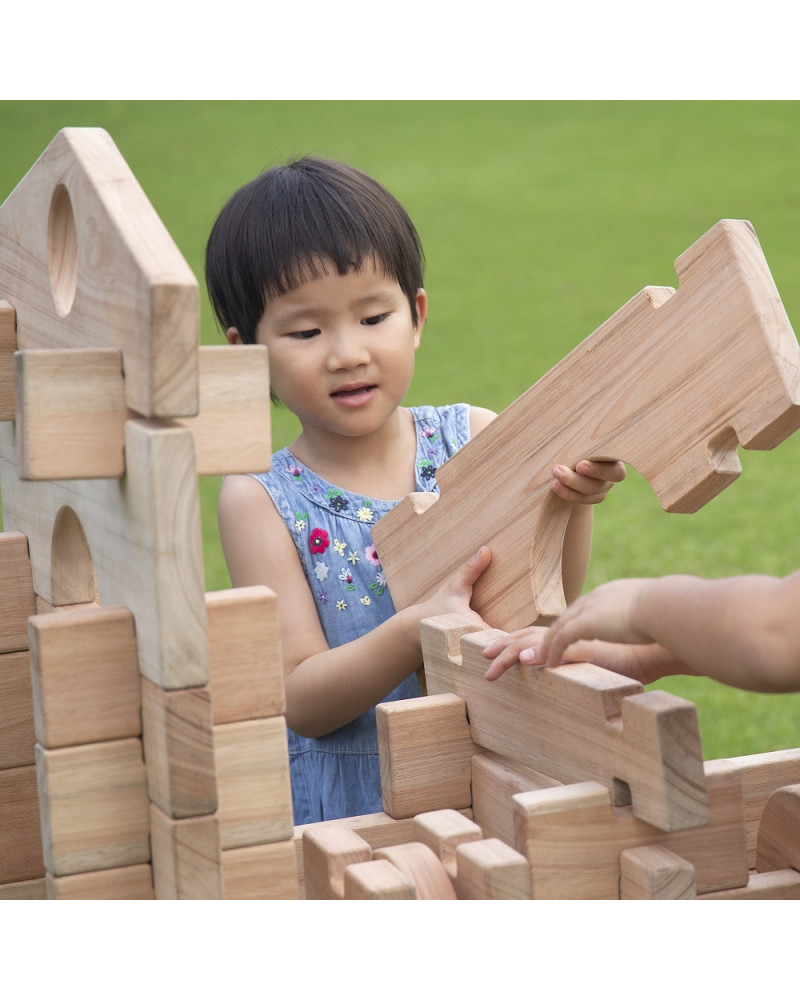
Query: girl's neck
[{"x": 379, "y": 465}]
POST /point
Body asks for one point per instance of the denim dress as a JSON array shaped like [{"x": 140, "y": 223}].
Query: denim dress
[{"x": 339, "y": 775}]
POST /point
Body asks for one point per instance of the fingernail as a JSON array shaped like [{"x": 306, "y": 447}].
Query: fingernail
[{"x": 527, "y": 655}]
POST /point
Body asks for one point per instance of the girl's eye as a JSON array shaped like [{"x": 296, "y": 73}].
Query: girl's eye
[
  {"x": 374, "y": 320},
  {"x": 304, "y": 334}
]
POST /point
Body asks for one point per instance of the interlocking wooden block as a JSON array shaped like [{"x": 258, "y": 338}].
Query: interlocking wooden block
[
  {"x": 17, "y": 598},
  {"x": 575, "y": 723},
  {"x": 8, "y": 345},
  {"x": 244, "y": 651},
  {"x": 187, "y": 861},
  {"x": 655, "y": 872},
  {"x": 178, "y": 739},
  {"x": 94, "y": 806},
  {"x": 763, "y": 885},
  {"x": 778, "y": 844},
  {"x": 85, "y": 676},
  {"x": 377, "y": 880},
  {"x": 678, "y": 381},
  {"x": 444, "y": 830},
  {"x": 16, "y": 703},
  {"x": 762, "y": 774},
  {"x": 263, "y": 871},
  {"x": 253, "y": 786},
  {"x": 490, "y": 869},
  {"x": 131, "y": 882},
  {"x": 20, "y": 834},
  {"x": 425, "y": 750},
  {"x": 572, "y": 838},
  {"x": 422, "y": 867},
  {"x": 495, "y": 780},
  {"x": 328, "y": 849}
]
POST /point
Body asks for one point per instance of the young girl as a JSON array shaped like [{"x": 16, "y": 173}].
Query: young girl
[{"x": 322, "y": 265}]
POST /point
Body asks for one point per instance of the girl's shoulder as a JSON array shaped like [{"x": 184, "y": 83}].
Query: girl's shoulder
[{"x": 447, "y": 425}]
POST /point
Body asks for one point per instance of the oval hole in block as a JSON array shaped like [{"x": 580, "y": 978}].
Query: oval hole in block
[
  {"x": 72, "y": 576},
  {"x": 62, "y": 251}
]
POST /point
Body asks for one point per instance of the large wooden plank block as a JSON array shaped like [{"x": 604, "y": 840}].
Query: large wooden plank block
[
  {"x": 778, "y": 844},
  {"x": 576, "y": 723},
  {"x": 495, "y": 780},
  {"x": 187, "y": 862},
  {"x": 85, "y": 674},
  {"x": 17, "y": 597},
  {"x": 244, "y": 652},
  {"x": 261, "y": 871},
  {"x": 131, "y": 882},
  {"x": 762, "y": 774},
  {"x": 573, "y": 838},
  {"x": 20, "y": 835},
  {"x": 678, "y": 380},
  {"x": 8, "y": 345},
  {"x": 17, "y": 736},
  {"x": 87, "y": 263},
  {"x": 94, "y": 806}
]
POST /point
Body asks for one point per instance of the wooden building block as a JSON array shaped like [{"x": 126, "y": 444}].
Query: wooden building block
[
  {"x": 94, "y": 806},
  {"x": 377, "y": 880},
  {"x": 263, "y": 871},
  {"x": 85, "y": 673},
  {"x": 762, "y": 774},
  {"x": 244, "y": 652},
  {"x": 131, "y": 882},
  {"x": 655, "y": 872},
  {"x": 490, "y": 869},
  {"x": 8, "y": 345},
  {"x": 187, "y": 861},
  {"x": 679, "y": 380},
  {"x": 778, "y": 844},
  {"x": 34, "y": 888},
  {"x": 71, "y": 414},
  {"x": 425, "y": 749},
  {"x": 20, "y": 833},
  {"x": 763, "y": 885},
  {"x": 253, "y": 787},
  {"x": 572, "y": 838},
  {"x": 444, "y": 830},
  {"x": 87, "y": 263},
  {"x": 178, "y": 739},
  {"x": 328, "y": 849},
  {"x": 17, "y": 597},
  {"x": 495, "y": 780},
  {"x": 577, "y": 722},
  {"x": 422, "y": 867},
  {"x": 16, "y": 705}
]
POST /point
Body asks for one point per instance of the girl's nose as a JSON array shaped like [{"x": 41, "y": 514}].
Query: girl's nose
[{"x": 348, "y": 350}]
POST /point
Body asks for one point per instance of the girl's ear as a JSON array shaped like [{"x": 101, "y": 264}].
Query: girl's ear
[
  {"x": 422, "y": 313},
  {"x": 233, "y": 335}
]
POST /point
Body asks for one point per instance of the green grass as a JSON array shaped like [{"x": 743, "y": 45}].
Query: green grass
[{"x": 539, "y": 220}]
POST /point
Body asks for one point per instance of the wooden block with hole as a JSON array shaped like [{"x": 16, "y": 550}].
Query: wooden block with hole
[
  {"x": 17, "y": 597},
  {"x": 762, "y": 774},
  {"x": 94, "y": 806},
  {"x": 187, "y": 862},
  {"x": 85, "y": 676},
  {"x": 244, "y": 650},
  {"x": 655, "y": 872},
  {"x": 419, "y": 863},
  {"x": 425, "y": 750},
  {"x": 575, "y": 723},
  {"x": 778, "y": 843}
]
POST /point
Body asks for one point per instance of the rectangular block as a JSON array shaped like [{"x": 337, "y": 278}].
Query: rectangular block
[
  {"x": 85, "y": 676},
  {"x": 490, "y": 869},
  {"x": 16, "y": 711},
  {"x": 763, "y": 885},
  {"x": 94, "y": 806},
  {"x": 20, "y": 832},
  {"x": 253, "y": 787},
  {"x": 186, "y": 856},
  {"x": 178, "y": 738},
  {"x": 762, "y": 774},
  {"x": 654, "y": 872},
  {"x": 495, "y": 780},
  {"x": 8, "y": 345},
  {"x": 17, "y": 599},
  {"x": 327, "y": 851},
  {"x": 244, "y": 651},
  {"x": 443, "y": 831},
  {"x": 131, "y": 882},
  {"x": 263, "y": 871},
  {"x": 34, "y": 888}
]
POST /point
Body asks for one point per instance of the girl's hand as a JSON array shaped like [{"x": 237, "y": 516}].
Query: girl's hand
[
  {"x": 455, "y": 594},
  {"x": 588, "y": 483}
]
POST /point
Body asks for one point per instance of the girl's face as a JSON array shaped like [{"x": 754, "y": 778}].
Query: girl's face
[{"x": 341, "y": 349}]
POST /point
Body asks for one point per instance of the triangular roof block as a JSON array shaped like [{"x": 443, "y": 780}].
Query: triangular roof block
[{"x": 86, "y": 263}]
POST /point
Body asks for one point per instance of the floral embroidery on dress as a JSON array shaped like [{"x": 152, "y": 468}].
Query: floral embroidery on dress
[
  {"x": 341, "y": 605},
  {"x": 318, "y": 541},
  {"x": 336, "y": 501},
  {"x": 321, "y": 571},
  {"x": 427, "y": 469},
  {"x": 300, "y": 521},
  {"x": 353, "y": 558},
  {"x": 296, "y": 472},
  {"x": 379, "y": 585},
  {"x": 365, "y": 513},
  {"x": 366, "y": 601},
  {"x": 347, "y": 579},
  {"x": 371, "y": 555},
  {"x": 339, "y": 547}
]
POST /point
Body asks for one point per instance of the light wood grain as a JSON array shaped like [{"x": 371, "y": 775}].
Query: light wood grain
[
  {"x": 17, "y": 597},
  {"x": 655, "y": 872},
  {"x": 187, "y": 862},
  {"x": 261, "y": 871},
  {"x": 17, "y": 734},
  {"x": 20, "y": 837},
  {"x": 377, "y": 880},
  {"x": 8, "y": 345},
  {"x": 422, "y": 867},
  {"x": 762, "y": 774},
  {"x": 131, "y": 882},
  {"x": 490, "y": 869},
  {"x": 328, "y": 849},
  {"x": 778, "y": 843}
]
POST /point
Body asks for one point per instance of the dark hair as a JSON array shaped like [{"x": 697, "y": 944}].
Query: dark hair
[{"x": 284, "y": 226}]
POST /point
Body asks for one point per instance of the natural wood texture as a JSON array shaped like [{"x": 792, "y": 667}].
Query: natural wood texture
[
  {"x": 490, "y": 869},
  {"x": 186, "y": 856},
  {"x": 131, "y": 882},
  {"x": 495, "y": 780},
  {"x": 8, "y": 345},
  {"x": 422, "y": 867},
  {"x": 767, "y": 885},
  {"x": 443, "y": 830},
  {"x": 34, "y": 888},
  {"x": 178, "y": 740},
  {"x": 108, "y": 530},
  {"x": 244, "y": 652},
  {"x": 328, "y": 849},
  {"x": 762, "y": 774},
  {"x": 85, "y": 676},
  {"x": 20, "y": 837},
  {"x": 263, "y": 871},
  {"x": 17, "y": 597},
  {"x": 778, "y": 844},
  {"x": 377, "y": 880},
  {"x": 71, "y": 414},
  {"x": 425, "y": 750},
  {"x": 655, "y": 872},
  {"x": 575, "y": 723},
  {"x": 87, "y": 263},
  {"x": 253, "y": 787},
  {"x": 16, "y": 704},
  {"x": 573, "y": 838},
  {"x": 678, "y": 379},
  {"x": 94, "y": 806}
]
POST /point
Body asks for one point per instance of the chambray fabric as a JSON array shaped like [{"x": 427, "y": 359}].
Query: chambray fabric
[{"x": 338, "y": 775}]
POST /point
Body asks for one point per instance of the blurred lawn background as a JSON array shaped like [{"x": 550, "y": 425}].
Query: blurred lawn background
[{"x": 539, "y": 220}]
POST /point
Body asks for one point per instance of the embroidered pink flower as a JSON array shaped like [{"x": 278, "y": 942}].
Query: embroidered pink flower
[
  {"x": 318, "y": 541},
  {"x": 371, "y": 554}
]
